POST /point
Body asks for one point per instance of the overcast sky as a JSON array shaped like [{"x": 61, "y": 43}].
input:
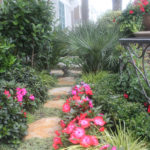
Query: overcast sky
[{"x": 98, "y": 7}]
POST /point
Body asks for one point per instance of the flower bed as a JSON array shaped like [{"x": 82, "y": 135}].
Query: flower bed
[{"x": 81, "y": 122}]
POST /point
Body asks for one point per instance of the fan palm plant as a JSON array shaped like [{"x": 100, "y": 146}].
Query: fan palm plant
[{"x": 95, "y": 44}]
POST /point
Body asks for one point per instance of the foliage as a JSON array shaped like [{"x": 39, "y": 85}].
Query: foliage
[
  {"x": 110, "y": 17},
  {"x": 46, "y": 79},
  {"x": 29, "y": 26},
  {"x": 13, "y": 119},
  {"x": 129, "y": 23},
  {"x": 95, "y": 44},
  {"x": 118, "y": 107},
  {"x": 6, "y": 55},
  {"x": 30, "y": 79}
]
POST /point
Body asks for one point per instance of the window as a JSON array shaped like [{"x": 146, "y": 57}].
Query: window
[{"x": 62, "y": 14}]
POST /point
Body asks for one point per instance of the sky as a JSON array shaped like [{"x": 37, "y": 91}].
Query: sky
[{"x": 98, "y": 7}]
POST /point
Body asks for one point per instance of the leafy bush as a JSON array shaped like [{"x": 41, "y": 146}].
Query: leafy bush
[
  {"x": 119, "y": 108},
  {"x": 30, "y": 79},
  {"x": 95, "y": 44},
  {"x": 12, "y": 119},
  {"x": 6, "y": 55},
  {"x": 29, "y": 26}
]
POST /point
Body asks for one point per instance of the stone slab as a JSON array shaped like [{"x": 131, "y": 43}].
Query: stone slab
[
  {"x": 59, "y": 91},
  {"x": 76, "y": 72},
  {"x": 54, "y": 104},
  {"x": 43, "y": 128},
  {"x": 57, "y": 72},
  {"x": 66, "y": 81}
]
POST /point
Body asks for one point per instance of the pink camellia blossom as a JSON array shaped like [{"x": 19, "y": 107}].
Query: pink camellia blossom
[
  {"x": 19, "y": 98},
  {"x": 114, "y": 148},
  {"x": 66, "y": 108},
  {"x": 78, "y": 132},
  {"x": 85, "y": 141},
  {"x": 94, "y": 141},
  {"x": 57, "y": 133},
  {"x": 99, "y": 121},
  {"x": 73, "y": 139},
  {"x": 102, "y": 129},
  {"x": 89, "y": 92},
  {"x": 131, "y": 12},
  {"x": 23, "y": 91},
  {"x": 32, "y": 97},
  {"x": 101, "y": 114},
  {"x": 104, "y": 147},
  {"x": 84, "y": 123}
]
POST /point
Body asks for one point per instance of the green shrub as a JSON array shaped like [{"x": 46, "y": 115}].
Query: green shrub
[
  {"x": 46, "y": 79},
  {"x": 118, "y": 108},
  {"x": 12, "y": 120},
  {"x": 6, "y": 55},
  {"x": 29, "y": 26},
  {"x": 30, "y": 79}
]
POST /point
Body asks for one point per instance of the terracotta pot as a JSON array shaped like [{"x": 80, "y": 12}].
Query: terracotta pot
[{"x": 146, "y": 22}]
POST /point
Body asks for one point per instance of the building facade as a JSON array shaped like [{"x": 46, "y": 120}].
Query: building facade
[{"x": 70, "y": 12}]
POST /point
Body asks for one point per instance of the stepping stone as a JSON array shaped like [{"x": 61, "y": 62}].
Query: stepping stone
[
  {"x": 76, "y": 72},
  {"x": 54, "y": 104},
  {"x": 57, "y": 72},
  {"x": 66, "y": 81},
  {"x": 59, "y": 91},
  {"x": 43, "y": 128}
]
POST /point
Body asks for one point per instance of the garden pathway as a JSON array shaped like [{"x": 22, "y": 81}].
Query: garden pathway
[{"x": 46, "y": 127}]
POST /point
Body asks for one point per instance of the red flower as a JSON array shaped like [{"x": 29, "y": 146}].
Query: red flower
[
  {"x": 62, "y": 124},
  {"x": 94, "y": 141},
  {"x": 142, "y": 9},
  {"x": 114, "y": 20},
  {"x": 66, "y": 108},
  {"x": 55, "y": 146},
  {"x": 89, "y": 92},
  {"x": 73, "y": 139},
  {"x": 25, "y": 114},
  {"x": 78, "y": 132},
  {"x": 145, "y": 104},
  {"x": 57, "y": 133},
  {"x": 84, "y": 123},
  {"x": 126, "y": 95},
  {"x": 148, "y": 110},
  {"x": 99, "y": 121},
  {"x": 57, "y": 140},
  {"x": 131, "y": 12},
  {"x": 86, "y": 141},
  {"x": 69, "y": 128},
  {"x": 7, "y": 93},
  {"x": 75, "y": 97},
  {"x": 101, "y": 129}
]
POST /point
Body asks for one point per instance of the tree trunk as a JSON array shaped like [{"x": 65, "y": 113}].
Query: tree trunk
[{"x": 116, "y": 5}]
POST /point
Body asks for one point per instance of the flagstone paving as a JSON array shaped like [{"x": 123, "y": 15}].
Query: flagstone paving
[
  {"x": 43, "y": 128},
  {"x": 66, "y": 81},
  {"x": 59, "y": 91},
  {"x": 54, "y": 104},
  {"x": 46, "y": 127}
]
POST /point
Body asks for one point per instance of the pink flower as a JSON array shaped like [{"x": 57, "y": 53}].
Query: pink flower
[
  {"x": 66, "y": 108},
  {"x": 32, "y": 97},
  {"x": 69, "y": 128},
  {"x": 99, "y": 121},
  {"x": 78, "y": 132},
  {"x": 57, "y": 133},
  {"x": 84, "y": 123},
  {"x": 23, "y": 91},
  {"x": 85, "y": 141},
  {"x": 57, "y": 140},
  {"x": 74, "y": 92},
  {"x": 94, "y": 141},
  {"x": 89, "y": 92},
  {"x": 114, "y": 148},
  {"x": 104, "y": 147},
  {"x": 142, "y": 9},
  {"x": 90, "y": 104},
  {"x": 19, "y": 98},
  {"x": 7, "y": 93}
]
